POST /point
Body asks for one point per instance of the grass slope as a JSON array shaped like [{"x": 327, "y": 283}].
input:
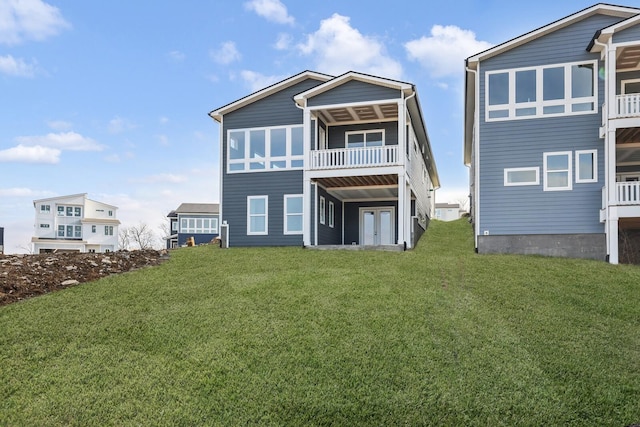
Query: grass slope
[{"x": 287, "y": 336}]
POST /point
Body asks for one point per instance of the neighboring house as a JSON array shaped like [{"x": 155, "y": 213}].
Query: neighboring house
[
  {"x": 323, "y": 160},
  {"x": 448, "y": 211},
  {"x": 74, "y": 224},
  {"x": 552, "y": 136},
  {"x": 197, "y": 220},
  {"x": 1, "y": 240}
]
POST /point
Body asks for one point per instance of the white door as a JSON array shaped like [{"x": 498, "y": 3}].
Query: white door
[{"x": 377, "y": 226}]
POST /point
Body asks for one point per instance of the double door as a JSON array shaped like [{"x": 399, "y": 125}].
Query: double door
[{"x": 377, "y": 226}]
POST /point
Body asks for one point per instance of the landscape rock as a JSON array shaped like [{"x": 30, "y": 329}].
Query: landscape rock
[{"x": 24, "y": 276}]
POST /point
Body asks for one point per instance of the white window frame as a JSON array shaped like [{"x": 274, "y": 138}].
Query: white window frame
[
  {"x": 108, "y": 230},
  {"x": 93, "y": 228},
  {"x": 568, "y": 170},
  {"x": 197, "y": 225},
  {"x": 364, "y": 133},
  {"x": 266, "y": 216},
  {"x": 174, "y": 225},
  {"x": 322, "y": 210},
  {"x": 288, "y": 214},
  {"x": 567, "y": 101},
  {"x": 246, "y": 161},
  {"x": 516, "y": 184},
  {"x": 45, "y": 225},
  {"x": 624, "y": 83},
  {"x": 594, "y": 153},
  {"x": 45, "y": 208},
  {"x": 332, "y": 211}
]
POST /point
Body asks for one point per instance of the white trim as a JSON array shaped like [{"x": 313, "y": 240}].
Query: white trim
[
  {"x": 267, "y": 160},
  {"x": 322, "y": 211},
  {"x": 623, "y": 84},
  {"x": 332, "y": 212},
  {"x": 376, "y": 210},
  {"x": 266, "y": 216},
  {"x": 364, "y": 134},
  {"x": 514, "y": 184},
  {"x": 594, "y": 171},
  {"x": 568, "y": 171},
  {"x": 286, "y": 214},
  {"x": 567, "y": 102}
]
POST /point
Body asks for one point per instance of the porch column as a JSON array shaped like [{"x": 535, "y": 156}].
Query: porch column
[
  {"x": 402, "y": 195},
  {"x": 307, "y": 214},
  {"x": 612, "y": 234}
]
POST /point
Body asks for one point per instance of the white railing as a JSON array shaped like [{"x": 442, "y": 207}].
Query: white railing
[
  {"x": 340, "y": 158},
  {"x": 628, "y": 193},
  {"x": 628, "y": 105}
]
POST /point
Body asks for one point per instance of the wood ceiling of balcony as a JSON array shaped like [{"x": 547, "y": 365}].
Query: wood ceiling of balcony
[
  {"x": 628, "y": 58},
  {"x": 358, "y": 181},
  {"x": 361, "y": 113},
  {"x": 627, "y": 136}
]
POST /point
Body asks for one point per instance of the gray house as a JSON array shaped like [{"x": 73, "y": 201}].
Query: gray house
[
  {"x": 552, "y": 137},
  {"x": 197, "y": 220},
  {"x": 323, "y": 160},
  {"x": 1, "y": 240}
]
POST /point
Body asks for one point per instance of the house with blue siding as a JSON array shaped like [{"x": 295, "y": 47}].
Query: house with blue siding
[
  {"x": 320, "y": 160},
  {"x": 199, "y": 221},
  {"x": 552, "y": 137}
]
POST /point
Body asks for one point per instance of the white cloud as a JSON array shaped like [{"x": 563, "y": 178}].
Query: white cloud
[
  {"x": 16, "y": 66},
  {"x": 226, "y": 54},
  {"x": 283, "y": 42},
  {"x": 71, "y": 141},
  {"x": 30, "y": 154},
  {"x": 59, "y": 125},
  {"x": 119, "y": 125},
  {"x": 177, "y": 56},
  {"x": 337, "y": 47},
  {"x": 257, "y": 81},
  {"x": 271, "y": 10},
  {"x": 22, "y": 20},
  {"x": 443, "y": 53}
]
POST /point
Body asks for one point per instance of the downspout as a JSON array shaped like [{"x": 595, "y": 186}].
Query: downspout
[
  {"x": 606, "y": 142},
  {"x": 476, "y": 160}
]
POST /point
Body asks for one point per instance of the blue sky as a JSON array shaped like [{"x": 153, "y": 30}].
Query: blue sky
[{"x": 111, "y": 98}]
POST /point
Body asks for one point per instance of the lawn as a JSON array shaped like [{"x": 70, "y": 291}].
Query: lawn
[{"x": 291, "y": 336}]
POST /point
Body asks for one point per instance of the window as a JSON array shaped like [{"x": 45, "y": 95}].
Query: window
[
  {"x": 550, "y": 90},
  {"x": 45, "y": 208},
  {"x": 174, "y": 225},
  {"x": 263, "y": 149},
  {"x": 322, "y": 210},
  {"x": 521, "y": 176},
  {"x": 77, "y": 211},
  {"x": 78, "y": 231},
  {"x": 69, "y": 210},
  {"x": 60, "y": 210},
  {"x": 587, "y": 166},
  {"x": 93, "y": 228},
  {"x": 257, "y": 214},
  {"x": 108, "y": 230},
  {"x": 367, "y": 138},
  {"x": 61, "y": 231},
  {"x": 69, "y": 230},
  {"x": 110, "y": 213},
  {"x": 44, "y": 225},
  {"x": 557, "y": 171},
  {"x": 293, "y": 214},
  {"x": 197, "y": 225},
  {"x": 331, "y": 214}
]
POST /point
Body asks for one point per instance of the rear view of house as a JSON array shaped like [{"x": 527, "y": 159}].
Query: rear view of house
[
  {"x": 552, "y": 137},
  {"x": 323, "y": 160},
  {"x": 74, "y": 224}
]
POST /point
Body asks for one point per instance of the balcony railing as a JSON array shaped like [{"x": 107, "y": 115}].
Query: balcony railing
[
  {"x": 341, "y": 158},
  {"x": 628, "y": 193},
  {"x": 628, "y": 105}
]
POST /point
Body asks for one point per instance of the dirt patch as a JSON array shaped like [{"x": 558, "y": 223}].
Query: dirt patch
[{"x": 25, "y": 276}]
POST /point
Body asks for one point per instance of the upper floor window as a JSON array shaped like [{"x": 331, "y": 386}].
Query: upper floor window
[
  {"x": 366, "y": 138},
  {"x": 263, "y": 149},
  {"x": 108, "y": 230},
  {"x": 110, "y": 213},
  {"x": 45, "y": 208},
  {"x": 550, "y": 90},
  {"x": 198, "y": 225},
  {"x": 174, "y": 225}
]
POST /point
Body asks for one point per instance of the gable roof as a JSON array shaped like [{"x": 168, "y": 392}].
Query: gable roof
[
  {"x": 197, "y": 208},
  {"x": 269, "y": 90},
  {"x": 471, "y": 63}
]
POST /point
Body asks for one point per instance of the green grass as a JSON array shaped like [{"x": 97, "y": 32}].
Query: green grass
[{"x": 287, "y": 336}]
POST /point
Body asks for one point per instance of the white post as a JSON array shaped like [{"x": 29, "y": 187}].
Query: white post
[
  {"x": 402, "y": 190},
  {"x": 611, "y": 228},
  {"x": 306, "y": 181}
]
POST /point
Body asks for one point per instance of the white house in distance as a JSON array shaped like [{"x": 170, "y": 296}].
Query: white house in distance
[
  {"x": 74, "y": 224},
  {"x": 448, "y": 211}
]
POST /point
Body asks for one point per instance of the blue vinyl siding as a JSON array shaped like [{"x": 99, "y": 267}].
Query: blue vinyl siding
[
  {"x": 521, "y": 143},
  {"x": 629, "y": 35},
  {"x": 326, "y": 234},
  {"x": 336, "y": 135},
  {"x": 354, "y": 91}
]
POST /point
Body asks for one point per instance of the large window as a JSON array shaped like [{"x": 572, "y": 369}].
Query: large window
[
  {"x": 108, "y": 230},
  {"x": 257, "y": 214},
  {"x": 45, "y": 208},
  {"x": 293, "y": 214},
  {"x": 541, "y": 91},
  {"x": 521, "y": 176},
  {"x": 198, "y": 225},
  {"x": 263, "y": 149},
  {"x": 586, "y": 166},
  {"x": 366, "y": 138},
  {"x": 557, "y": 171}
]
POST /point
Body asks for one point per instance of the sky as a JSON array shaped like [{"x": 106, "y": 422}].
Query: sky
[{"x": 111, "y": 98}]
